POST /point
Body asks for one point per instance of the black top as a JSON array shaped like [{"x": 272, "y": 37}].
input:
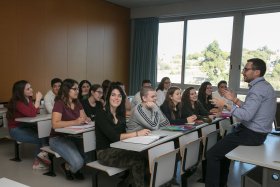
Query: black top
[
  {"x": 199, "y": 110},
  {"x": 207, "y": 105},
  {"x": 91, "y": 111},
  {"x": 168, "y": 113},
  {"x": 106, "y": 130}
]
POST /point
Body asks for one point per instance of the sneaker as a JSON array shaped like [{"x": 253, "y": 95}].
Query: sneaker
[
  {"x": 37, "y": 165},
  {"x": 44, "y": 157},
  {"x": 68, "y": 173}
]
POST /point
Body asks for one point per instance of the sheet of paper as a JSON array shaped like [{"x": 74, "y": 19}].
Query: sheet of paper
[{"x": 142, "y": 139}]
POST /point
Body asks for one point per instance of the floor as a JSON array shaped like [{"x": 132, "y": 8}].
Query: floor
[{"x": 22, "y": 171}]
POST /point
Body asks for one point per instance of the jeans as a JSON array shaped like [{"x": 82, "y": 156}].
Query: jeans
[
  {"x": 217, "y": 164},
  {"x": 68, "y": 150},
  {"x": 27, "y": 133}
]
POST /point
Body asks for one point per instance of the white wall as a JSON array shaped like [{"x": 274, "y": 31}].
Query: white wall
[{"x": 194, "y": 7}]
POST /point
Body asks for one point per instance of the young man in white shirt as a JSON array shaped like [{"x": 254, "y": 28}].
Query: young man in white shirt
[{"x": 51, "y": 94}]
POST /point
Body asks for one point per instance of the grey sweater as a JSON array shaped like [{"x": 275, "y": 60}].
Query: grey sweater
[{"x": 143, "y": 118}]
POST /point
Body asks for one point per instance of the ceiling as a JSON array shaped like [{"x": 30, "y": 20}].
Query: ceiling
[{"x": 143, "y": 3}]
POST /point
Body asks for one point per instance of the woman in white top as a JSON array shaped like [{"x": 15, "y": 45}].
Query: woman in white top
[{"x": 162, "y": 88}]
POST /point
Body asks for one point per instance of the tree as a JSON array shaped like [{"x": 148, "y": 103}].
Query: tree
[{"x": 214, "y": 63}]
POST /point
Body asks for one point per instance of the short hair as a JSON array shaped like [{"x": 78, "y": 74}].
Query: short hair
[
  {"x": 146, "y": 81},
  {"x": 55, "y": 80},
  {"x": 258, "y": 64},
  {"x": 222, "y": 82},
  {"x": 144, "y": 91}
]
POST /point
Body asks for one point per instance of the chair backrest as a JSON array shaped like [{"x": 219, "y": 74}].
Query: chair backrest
[
  {"x": 187, "y": 138},
  {"x": 162, "y": 161},
  {"x": 44, "y": 128},
  {"x": 190, "y": 157},
  {"x": 225, "y": 127},
  {"x": 204, "y": 132}
]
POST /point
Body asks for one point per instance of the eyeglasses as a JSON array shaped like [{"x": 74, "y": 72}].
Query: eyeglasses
[
  {"x": 100, "y": 92},
  {"x": 75, "y": 89},
  {"x": 247, "y": 69}
]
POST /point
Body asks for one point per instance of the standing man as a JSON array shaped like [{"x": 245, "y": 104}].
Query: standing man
[
  {"x": 147, "y": 115},
  {"x": 256, "y": 115},
  {"x": 50, "y": 96}
]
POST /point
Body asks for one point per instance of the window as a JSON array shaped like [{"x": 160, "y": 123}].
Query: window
[
  {"x": 261, "y": 40},
  {"x": 208, "y": 50},
  {"x": 170, "y": 47}
]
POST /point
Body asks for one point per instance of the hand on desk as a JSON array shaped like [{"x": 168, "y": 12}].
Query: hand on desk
[
  {"x": 83, "y": 120},
  {"x": 143, "y": 132}
]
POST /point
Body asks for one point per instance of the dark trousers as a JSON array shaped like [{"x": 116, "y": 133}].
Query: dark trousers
[{"x": 217, "y": 164}]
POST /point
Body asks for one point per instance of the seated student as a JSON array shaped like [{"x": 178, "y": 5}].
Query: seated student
[
  {"x": 110, "y": 128},
  {"x": 137, "y": 99},
  {"x": 147, "y": 114},
  {"x": 191, "y": 105},
  {"x": 68, "y": 111},
  {"x": 51, "y": 94},
  {"x": 162, "y": 88},
  {"x": 205, "y": 97},
  {"x": 93, "y": 104},
  {"x": 127, "y": 102},
  {"x": 21, "y": 105},
  {"x": 172, "y": 107},
  {"x": 84, "y": 87},
  {"x": 222, "y": 87}
]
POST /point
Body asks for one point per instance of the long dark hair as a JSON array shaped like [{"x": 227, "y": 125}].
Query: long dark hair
[
  {"x": 170, "y": 103},
  {"x": 63, "y": 93},
  {"x": 120, "y": 112},
  {"x": 17, "y": 95},
  {"x": 80, "y": 88},
  {"x": 105, "y": 85},
  {"x": 161, "y": 84},
  {"x": 186, "y": 97},
  {"x": 202, "y": 92}
]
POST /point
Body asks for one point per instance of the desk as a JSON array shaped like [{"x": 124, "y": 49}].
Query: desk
[
  {"x": 4, "y": 182},
  {"x": 264, "y": 155},
  {"x": 171, "y": 135},
  {"x": 43, "y": 123},
  {"x": 3, "y": 112},
  {"x": 141, "y": 147},
  {"x": 88, "y": 134}
]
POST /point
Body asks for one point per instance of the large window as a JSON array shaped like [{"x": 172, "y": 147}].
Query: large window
[
  {"x": 170, "y": 48},
  {"x": 208, "y": 50},
  {"x": 216, "y": 47},
  {"x": 262, "y": 39}
]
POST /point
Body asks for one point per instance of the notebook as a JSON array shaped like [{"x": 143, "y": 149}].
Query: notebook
[
  {"x": 178, "y": 127},
  {"x": 142, "y": 139},
  {"x": 86, "y": 126}
]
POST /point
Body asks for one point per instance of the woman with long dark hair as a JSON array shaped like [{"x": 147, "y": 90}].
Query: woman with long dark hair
[
  {"x": 205, "y": 96},
  {"x": 21, "y": 105},
  {"x": 172, "y": 107},
  {"x": 93, "y": 104},
  {"x": 84, "y": 87},
  {"x": 110, "y": 127},
  {"x": 191, "y": 105},
  {"x": 68, "y": 111}
]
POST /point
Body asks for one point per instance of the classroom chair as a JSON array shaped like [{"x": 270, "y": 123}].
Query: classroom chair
[
  {"x": 190, "y": 153},
  {"x": 162, "y": 161}
]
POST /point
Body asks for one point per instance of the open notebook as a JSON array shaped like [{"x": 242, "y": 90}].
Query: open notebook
[{"x": 143, "y": 139}]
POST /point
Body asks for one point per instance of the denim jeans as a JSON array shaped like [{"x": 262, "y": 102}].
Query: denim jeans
[
  {"x": 68, "y": 150},
  {"x": 27, "y": 133}
]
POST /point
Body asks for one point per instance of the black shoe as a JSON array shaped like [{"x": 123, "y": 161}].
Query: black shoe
[
  {"x": 79, "y": 175},
  {"x": 68, "y": 173}
]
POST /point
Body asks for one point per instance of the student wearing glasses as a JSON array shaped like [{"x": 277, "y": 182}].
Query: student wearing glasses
[
  {"x": 222, "y": 87},
  {"x": 162, "y": 88},
  {"x": 68, "y": 111},
  {"x": 110, "y": 127},
  {"x": 256, "y": 115},
  {"x": 93, "y": 104}
]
